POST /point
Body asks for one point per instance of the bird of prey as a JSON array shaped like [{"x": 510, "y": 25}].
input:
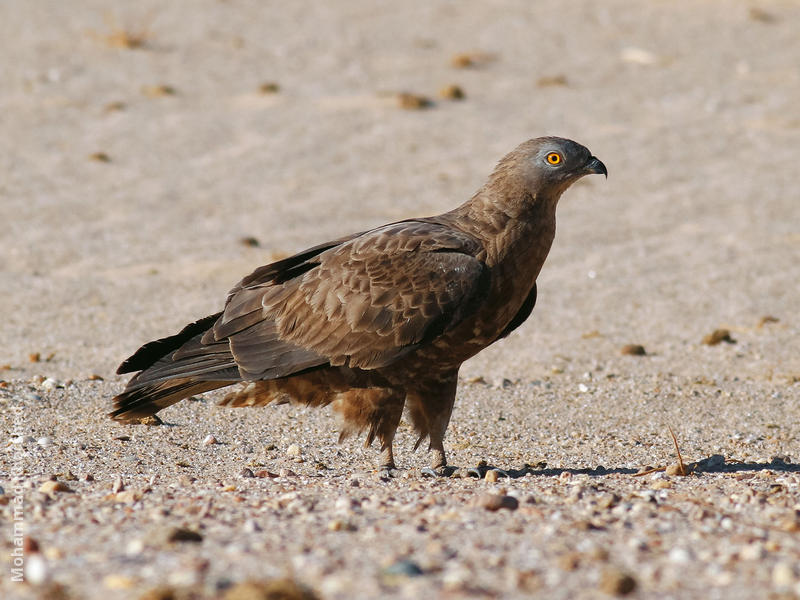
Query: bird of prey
[{"x": 377, "y": 322}]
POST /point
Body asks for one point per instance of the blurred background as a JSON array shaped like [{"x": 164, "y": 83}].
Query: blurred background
[{"x": 153, "y": 153}]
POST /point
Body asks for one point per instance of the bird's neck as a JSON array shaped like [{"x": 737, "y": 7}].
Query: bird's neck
[{"x": 518, "y": 230}]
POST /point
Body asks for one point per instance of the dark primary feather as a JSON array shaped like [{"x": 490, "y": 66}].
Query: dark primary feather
[{"x": 148, "y": 354}]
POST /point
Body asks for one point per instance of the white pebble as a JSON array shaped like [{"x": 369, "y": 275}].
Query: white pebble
[
  {"x": 209, "y": 440},
  {"x": 638, "y": 56},
  {"x": 783, "y": 574},
  {"x": 44, "y": 441},
  {"x": 754, "y": 551},
  {"x": 680, "y": 556},
  {"x": 134, "y": 547},
  {"x": 251, "y": 526},
  {"x": 36, "y": 571},
  {"x": 293, "y": 450},
  {"x": 582, "y": 387},
  {"x": 49, "y": 384}
]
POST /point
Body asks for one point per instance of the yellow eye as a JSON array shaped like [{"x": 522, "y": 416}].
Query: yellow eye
[{"x": 554, "y": 158}]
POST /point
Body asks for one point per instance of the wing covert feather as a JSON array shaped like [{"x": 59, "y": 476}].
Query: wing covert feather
[{"x": 363, "y": 302}]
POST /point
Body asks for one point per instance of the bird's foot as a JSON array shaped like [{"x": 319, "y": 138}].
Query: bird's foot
[
  {"x": 440, "y": 471},
  {"x": 386, "y": 473},
  {"x": 481, "y": 471}
]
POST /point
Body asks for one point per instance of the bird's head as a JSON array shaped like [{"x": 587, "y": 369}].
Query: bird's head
[{"x": 542, "y": 168}]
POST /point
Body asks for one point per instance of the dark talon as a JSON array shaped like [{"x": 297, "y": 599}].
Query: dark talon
[
  {"x": 428, "y": 472},
  {"x": 387, "y": 473},
  {"x": 475, "y": 472}
]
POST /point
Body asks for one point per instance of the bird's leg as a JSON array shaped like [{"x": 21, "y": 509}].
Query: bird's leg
[
  {"x": 387, "y": 468},
  {"x": 377, "y": 409},
  {"x": 430, "y": 407},
  {"x": 439, "y": 459}
]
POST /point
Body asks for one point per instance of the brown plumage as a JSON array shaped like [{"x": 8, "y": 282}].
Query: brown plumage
[{"x": 378, "y": 322}]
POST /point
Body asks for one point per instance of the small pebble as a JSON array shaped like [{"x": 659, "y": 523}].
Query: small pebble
[
  {"x": 633, "y": 350},
  {"x": 758, "y": 14},
  {"x": 675, "y": 469},
  {"x": 495, "y": 502},
  {"x": 114, "y": 106},
  {"x": 50, "y": 384},
  {"x": 503, "y": 383},
  {"x": 246, "y": 473},
  {"x": 44, "y": 441},
  {"x": 30, "y": 545},
  {"x": 294, "y": 450},
  {"x": 754, "y": 551},
  {"x": 616, "y": 583},
  {"x": 767, "y": 319},
  {"x": 491, "y": 476},
  {"x": 249, "y": 241},
  {"x": 413, "y": 101},
  {"x": 36, "y": 570},
  {"x": 638, "y": 56},
  {"x": 118, "y": 582},
  {"x": 717, "y": 337},
  {"x": 341, "y": 525},
  {"x": 127, "y": 497},
  {"x": 276, "y": 589},
  {"x": 183, "y": 534},
  {"x": 462, "y": 60},
  {"x": 134, "y": 547},
  {"x": 49, "y": 487},
  {"x": 465, "y": 60},
  {"x": 680, "y": 556},
  {"x": 251, "y": 526},
  {"x": 452, "y": 92},
  {"x": 552, "y": 81},
  {"x": 156, "y": 91},
  {"x": 269, "y": 87},
  {"x": 100, "y": 157},
  {"x": 209, "y": 440},
  {"x": 783, "y": 574},
  {"x": 403, "y": 568}
]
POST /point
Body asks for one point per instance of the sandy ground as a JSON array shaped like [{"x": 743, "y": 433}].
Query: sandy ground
[{"x": 129, "y": 176}]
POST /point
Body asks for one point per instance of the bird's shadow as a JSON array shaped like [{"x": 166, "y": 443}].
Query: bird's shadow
[{"x": 713, "y": 464}]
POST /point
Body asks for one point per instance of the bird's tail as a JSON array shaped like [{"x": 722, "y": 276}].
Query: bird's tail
[
  {"x": 133, "y": 404},
  {"x": 174, "y": 368}
]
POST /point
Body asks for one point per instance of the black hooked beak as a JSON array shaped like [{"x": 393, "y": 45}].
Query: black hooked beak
[{"x": 594, "y": 165}]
